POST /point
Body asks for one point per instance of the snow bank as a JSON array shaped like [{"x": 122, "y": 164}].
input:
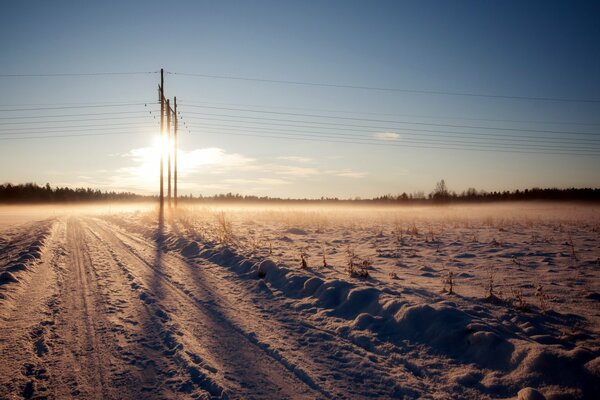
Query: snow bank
[
  {"x": 7, "y": 277},
  {"x": 446, "y": 329},
  {"x": 22, "y": 252}
]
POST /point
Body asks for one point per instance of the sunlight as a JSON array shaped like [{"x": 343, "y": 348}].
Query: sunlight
[{"x": 149, "y": 159}]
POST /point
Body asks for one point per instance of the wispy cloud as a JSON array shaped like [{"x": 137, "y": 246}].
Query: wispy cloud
[
  {"x": 350, "y": 174},
  {"x": 387, "y": 136},
  {"x": 295, "y": 159},
  {"x": 258, "y": 181},
  {"x": 290, "y": 170}
]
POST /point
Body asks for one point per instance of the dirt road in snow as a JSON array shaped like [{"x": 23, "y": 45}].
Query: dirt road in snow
[
  {"x": 108, "y": 314},
  {"x": 103, "y": 317}
]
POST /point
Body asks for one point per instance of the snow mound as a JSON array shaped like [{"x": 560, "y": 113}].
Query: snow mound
[
  {"x": 296, "y": 231},
  {"x": 24, "y": 250},
  {"x": 7, "y": 277},
  {"x": 530, "y": 394},
  {"x": 191, "y": 250}
]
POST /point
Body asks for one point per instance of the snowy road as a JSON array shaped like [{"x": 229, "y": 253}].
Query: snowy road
[
  {"x": 104, "y": 317},
  {"x": 110, "y": 315}
]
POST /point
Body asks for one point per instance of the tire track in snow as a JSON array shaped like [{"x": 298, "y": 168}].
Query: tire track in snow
[
  {"x": 292, "y": 333},
  {"x": 82, "y": 362},
  {"x": 271, "y": 375},
  {"x": 26, "y": 317},
  {"x": 156, "y": 342}
]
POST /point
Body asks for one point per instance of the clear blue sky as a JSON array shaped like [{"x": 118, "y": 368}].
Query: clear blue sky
[{"x": 522, "y": 49}]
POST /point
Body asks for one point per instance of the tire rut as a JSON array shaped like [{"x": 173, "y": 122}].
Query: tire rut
[
  {"x": 294, "y": 334},
  {"x": 237, "y": 343}
]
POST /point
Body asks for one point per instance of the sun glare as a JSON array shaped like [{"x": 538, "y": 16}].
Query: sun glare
[
  {"x": 162, "y": 146},
  {"x": 149, "y": 159}
]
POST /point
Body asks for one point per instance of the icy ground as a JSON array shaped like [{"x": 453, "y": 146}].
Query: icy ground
[{"x": 312, "y": 302}]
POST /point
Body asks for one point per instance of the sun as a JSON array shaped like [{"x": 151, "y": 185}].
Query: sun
[
  {"x": 148, "y": 159},
  {"x": 162, "y": 146}
]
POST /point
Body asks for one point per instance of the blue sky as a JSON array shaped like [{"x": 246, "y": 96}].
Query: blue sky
[{"x": 523, "y": 49}]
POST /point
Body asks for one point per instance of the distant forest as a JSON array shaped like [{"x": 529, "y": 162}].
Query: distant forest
[{"x": 33, "y": 193}]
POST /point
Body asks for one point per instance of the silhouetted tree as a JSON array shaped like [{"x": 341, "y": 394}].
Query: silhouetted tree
[{"x": 441, "y": 193}]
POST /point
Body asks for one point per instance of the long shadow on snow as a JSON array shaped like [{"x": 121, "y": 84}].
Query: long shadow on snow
[
  {"x": 219, "y": 319},
  {"x": 462, "y": 334}
]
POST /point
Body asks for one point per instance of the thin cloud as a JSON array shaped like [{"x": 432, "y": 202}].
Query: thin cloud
[
  {"x": 258, "y": 181},
  {"x": 295, "y": 159},
  {"x": 387, "y": 136},
  {"x": 290, "y": 170},
  {"x": 351, "y": 174}
]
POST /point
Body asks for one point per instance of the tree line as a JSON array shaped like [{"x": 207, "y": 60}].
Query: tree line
[
  {"x": 33, "y": 193},
  {"x": 441, "y": 194}
]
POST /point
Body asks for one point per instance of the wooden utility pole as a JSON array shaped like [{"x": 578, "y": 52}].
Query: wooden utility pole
[
  {"x": 175, "y": 151},
  {"x": 162, "y": 128},
  {"x": 166, "y": 110},
  {"x": 168, "y": 146}
]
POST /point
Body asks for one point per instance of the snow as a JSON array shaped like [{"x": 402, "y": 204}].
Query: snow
[{"x": 215, "y": 302}]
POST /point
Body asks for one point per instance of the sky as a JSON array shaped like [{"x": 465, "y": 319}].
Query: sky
[{"x": 336, "y": 97}]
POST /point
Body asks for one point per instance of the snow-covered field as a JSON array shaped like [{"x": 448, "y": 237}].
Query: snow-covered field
[{"x": 304, "y": 301}]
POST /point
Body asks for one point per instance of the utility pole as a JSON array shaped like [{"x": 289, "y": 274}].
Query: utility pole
[
  {"x": 175, "y": 150},
  {"x": 166, "y": 110},
  {"x": 169, "y": 152},
  {"x": 162, "y": 115}
]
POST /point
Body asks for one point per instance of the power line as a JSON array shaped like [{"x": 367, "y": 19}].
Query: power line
[
  {"x": 25, "y": 131},
  {"x": 406, "y": 145},
  {"x": 303, "y": 138},
  {"x": 74, "y": 115},
  {"x": 384, "y": 89},
  {"x": 75, "y": 135},
  {"x": 71, "y": 120},
  {"x": 73, "y": 107},
  {"x": 78, "y": 74},
  {"x": 404, "y": 133},
  {"x": 507, "y": 146},
  {"x": 397, "y": 122},
  {"x": 306, "y": 83},
  {"x": 78, "y": 103},
  {"x": 352, "y": 127},
  {"x": 354, "y": 112},
  {"x": 306, "y": 138}
]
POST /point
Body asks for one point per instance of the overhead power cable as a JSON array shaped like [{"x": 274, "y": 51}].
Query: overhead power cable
[
  {"x": 72, "y": 120},
  {"x": 397, "y": 122},
  {"x": 74, "y": 107},
  {"x": 376, "y": 129},
  {"x": 78, "y": 103},
  {"x": 403, "y": 145},
  {"x": 79, "y": 74},
  {"x": 75, "y": 135},
  {"x": 75, "y": 115},
  {"x": 403, "y": 132},
  {"x": 424, "y": 141},
  {"x": 424, "y": 116},
  {"x": 387, "y": 89},
  {"x": 352, "y": 127},
  {"x": 305, "y": 138},
  {"x": 74, "y": 129}
]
